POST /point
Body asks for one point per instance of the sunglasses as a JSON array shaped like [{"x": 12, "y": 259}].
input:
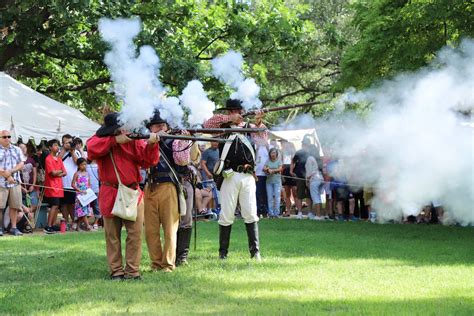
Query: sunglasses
[{"x": 5, "y": 137}]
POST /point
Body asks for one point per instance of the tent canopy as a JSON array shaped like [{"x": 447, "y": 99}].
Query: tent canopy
[
  {"x": 29, "y": 114},
  {"x": 296, "y": 137}
]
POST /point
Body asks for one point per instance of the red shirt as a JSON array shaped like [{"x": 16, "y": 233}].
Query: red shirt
[
  {"x": 128, "y": 159},
  {"x": 54, "y": 185}
]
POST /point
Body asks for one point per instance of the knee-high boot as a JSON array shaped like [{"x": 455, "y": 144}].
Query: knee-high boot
[
  {"x": 182, "y": 245},
  {"x": 224, "y": 240},
  {"x": 254, "y": 243}
]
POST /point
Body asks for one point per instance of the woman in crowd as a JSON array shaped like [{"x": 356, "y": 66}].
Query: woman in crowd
[{"x": 273, "y": 168}]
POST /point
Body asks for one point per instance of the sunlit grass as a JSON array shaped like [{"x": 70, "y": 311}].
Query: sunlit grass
[{"x": 308, "y": 268}]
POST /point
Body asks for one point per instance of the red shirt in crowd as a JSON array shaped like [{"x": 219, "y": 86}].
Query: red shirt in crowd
[
  {"x": 54, "y": 185},
  {"x": 128, "y": 159}
]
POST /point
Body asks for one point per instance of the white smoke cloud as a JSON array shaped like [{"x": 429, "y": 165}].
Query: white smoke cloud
[
  {"x": 195, "y": 99},
  {"x": 228, "y": 69},
  {"x": 411, "y": 148},
  {"x": 135, "y": 76}
]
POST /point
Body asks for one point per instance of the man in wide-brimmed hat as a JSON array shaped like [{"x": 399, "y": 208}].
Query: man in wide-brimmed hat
[
  {"x": 165, "y": 178},
  {"x": 128, "y": 155},
  {"x": 238, "y": 164}
]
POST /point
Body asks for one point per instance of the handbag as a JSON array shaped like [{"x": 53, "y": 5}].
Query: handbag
[{"x": 126, "y": 201}]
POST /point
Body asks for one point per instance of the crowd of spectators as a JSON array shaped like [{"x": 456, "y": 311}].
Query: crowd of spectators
[{"x": 293, "y": 183}]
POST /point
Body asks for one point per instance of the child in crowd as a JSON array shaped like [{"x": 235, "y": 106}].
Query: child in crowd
[
  {"x": 93, "y": 172},
  {"x": 273, "y": 168},
  {"x": 80, "y": 183}
]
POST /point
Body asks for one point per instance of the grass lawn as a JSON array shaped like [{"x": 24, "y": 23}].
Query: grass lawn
[{"x": 308, "y": 268}]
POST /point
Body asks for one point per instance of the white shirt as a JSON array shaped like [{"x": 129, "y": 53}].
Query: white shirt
[
  {"x": 262, "y": 158},
  {"x": 71, "y": 168}
]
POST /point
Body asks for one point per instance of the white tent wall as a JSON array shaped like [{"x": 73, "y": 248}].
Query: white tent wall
[
  {"x": 296, "y": 137},
  {"x": 30, "y": 114}
]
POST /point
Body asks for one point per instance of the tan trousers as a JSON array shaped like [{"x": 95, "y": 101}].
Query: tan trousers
[
  {"x": 133, "y": 244},
  {"x": 161, "y": 209}
]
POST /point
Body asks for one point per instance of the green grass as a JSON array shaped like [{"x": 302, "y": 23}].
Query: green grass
[{"x": 308, "y": 268}]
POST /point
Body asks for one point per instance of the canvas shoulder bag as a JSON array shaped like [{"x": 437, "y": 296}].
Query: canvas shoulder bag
[{"x": 126, "y": 202}]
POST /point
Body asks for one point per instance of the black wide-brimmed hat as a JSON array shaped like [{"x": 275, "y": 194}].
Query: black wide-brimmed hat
[
  {"x": 155, "y": 119},
  {"x": 232, "y": 104},
  {"x": 110, "y": 126}
]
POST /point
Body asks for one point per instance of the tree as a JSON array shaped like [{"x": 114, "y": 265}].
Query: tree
[
  {"x": 292, "y": 49},
  {"x": 402, "y": 35}
]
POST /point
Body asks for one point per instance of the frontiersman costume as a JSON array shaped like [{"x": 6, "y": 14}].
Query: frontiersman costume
[
  {"x": 161, "y": 198},
  {"x": 239, "y": 181}
]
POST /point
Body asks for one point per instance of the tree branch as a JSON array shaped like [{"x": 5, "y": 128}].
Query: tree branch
[
  {"x": 198, "y": 56},
  {"x": 85, "y": 85}
]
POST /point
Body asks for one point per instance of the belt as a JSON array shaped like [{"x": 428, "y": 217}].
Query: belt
[
  {"x": 133, "y": 185},
  {"x": 247, "y": 168},
  {"x": 160, "y": 174}
]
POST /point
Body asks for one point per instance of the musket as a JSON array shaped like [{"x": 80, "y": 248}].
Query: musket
[
  {"x": 284, "y": 107},
  {"x": 218, "y": 130},
  {"x": 180, "y": 137}
]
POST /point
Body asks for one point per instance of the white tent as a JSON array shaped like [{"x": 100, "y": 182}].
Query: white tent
[
  {"x": 29, "y": 114},
  {"x": 296, "y": 137}
]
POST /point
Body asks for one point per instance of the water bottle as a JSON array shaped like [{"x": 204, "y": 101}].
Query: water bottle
[
  {"x": 373, "y": 216},
  {"x": 62, "y": 226}
]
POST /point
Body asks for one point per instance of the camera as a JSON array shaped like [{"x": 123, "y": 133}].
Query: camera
[{"x": 76, "y": 142}]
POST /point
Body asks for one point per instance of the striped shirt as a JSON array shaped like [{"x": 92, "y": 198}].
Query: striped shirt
[
  {"x": 10, "y": 157},
  {"x": 260, "y": 138}
]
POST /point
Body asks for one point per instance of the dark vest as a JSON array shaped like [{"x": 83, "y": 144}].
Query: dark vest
[
  {"x": 239, "y": 154},
  {"x": 157, "y": 173}
]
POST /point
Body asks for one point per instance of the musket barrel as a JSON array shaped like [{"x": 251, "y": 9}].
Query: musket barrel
[
  {"x": 286, "y": 107},
  {"x": 182, "y": 137},
  {"x": 219, "y": 130}
]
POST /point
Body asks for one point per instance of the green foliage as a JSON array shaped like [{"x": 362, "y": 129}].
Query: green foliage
[
  {"x": 308, "y": 268},
  {"x": 291, "y": 48},
  {"x": 402, "y": 35}
]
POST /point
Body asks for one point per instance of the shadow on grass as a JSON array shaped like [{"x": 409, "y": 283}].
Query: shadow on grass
[
  {"x": 413, "y": 244},
  {"x": 66, "y": 273}
]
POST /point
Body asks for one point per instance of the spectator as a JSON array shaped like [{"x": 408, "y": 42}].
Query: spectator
[
  {"x": 53, "y": 192},
  {"x": 93, "y": 172},
  {"x": 208, "y": 160},
  {"x": 69, "y": 155},
  {"x": 80, "y": 183},
  {"x": 289, "y": 184},
  {"x": 273, "y": 170},
  {"x": 261, "y": 185},
  {"x": 29, "y": 176},
  {"x": 314, "y": 179},
  {"x": 11, "y": 163},
  {"x": 23, "y": 220},
  {"x": 297, "y": 169}
]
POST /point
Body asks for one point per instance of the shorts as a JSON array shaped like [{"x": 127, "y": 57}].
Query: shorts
[
  {"x": 52, "y": 201},
  {"x": 327, "y": 189},
  {"x": 316, "y": 189},
  {"x": 69, "y": 197},
  {"x": 343, "y": 193},
  {"x": 302, "y": 191},
  {"x": 285, "y": 174},
  {"x": 12, "y": 196},
  {"x": 32, "y": 200}
]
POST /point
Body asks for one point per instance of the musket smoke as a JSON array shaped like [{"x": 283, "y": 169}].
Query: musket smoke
[
  {"x": 135, "y": 76},
  {"x": 195, "y": 99},
  {"x": 228, "y": 69},
  {"x": 411, "y": 148}
]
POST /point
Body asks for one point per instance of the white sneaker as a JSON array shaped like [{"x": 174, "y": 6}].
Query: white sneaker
[
  {"x": 311, "y": 216},
  {"x": 300, "y": 215}
]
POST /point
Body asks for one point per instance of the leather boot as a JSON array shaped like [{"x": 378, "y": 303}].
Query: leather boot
[
  {"x": 182, "y": 245},
  {"x": 254, "y": 243},
  {"x": 224, "y": 240}
]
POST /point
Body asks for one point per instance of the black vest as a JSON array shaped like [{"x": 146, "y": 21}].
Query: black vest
[{"x": 239, "y": 154}]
